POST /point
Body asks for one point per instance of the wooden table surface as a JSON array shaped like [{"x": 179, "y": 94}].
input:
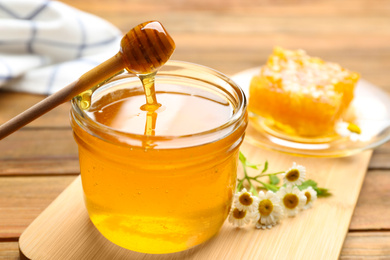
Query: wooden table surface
[{"x": 39, "y": 161}]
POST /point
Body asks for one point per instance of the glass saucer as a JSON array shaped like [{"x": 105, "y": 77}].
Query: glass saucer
[{"x": 371, "y": 107}]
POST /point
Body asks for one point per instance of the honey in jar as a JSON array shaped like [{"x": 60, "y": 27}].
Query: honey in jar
[
  {"x": 160, "y": 180},
  {"x": 301, "y": 95}
]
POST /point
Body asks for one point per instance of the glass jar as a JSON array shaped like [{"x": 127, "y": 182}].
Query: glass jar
[{"x": 161, "y": 193}]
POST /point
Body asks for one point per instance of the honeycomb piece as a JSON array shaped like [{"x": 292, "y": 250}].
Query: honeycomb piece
[{"x": 301, "y": 95}]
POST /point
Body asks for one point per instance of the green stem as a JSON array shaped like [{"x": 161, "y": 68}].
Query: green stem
[
  {"x": 267, "y": 186},
  {"x": 239, "y": 185},
  {"x": 253, "y": 189},
  {"x": 267, "y": 174},
  {"x": 249, "y": 179},
  {"x": 259, "y": 181}
]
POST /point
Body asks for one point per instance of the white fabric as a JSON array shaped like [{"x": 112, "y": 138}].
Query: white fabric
[{"x": 46, "y": 45}]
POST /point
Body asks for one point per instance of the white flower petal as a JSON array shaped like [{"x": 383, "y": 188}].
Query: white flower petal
[
  {"x": 241, "y": 221},
  {"x": 302, "y": 174},
  {"x": 275, "y": 215},
  {"x": 293, "y": 190},
  {"x": 240, "y": 206},
  {"x": 313, "y": 197}
]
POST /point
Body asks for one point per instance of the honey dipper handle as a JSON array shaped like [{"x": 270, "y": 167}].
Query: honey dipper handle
[{"x": 92, "y": 78}]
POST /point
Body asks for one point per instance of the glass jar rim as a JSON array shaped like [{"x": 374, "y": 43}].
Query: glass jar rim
[{"x": 93, "y": 127}]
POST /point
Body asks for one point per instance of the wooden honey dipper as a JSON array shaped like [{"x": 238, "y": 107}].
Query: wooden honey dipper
[{"x": 143, "y": 50}]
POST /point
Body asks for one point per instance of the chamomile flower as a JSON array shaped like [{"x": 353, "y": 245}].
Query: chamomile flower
[
  {"x": 244, "y": 200},
  {"x": 311, "y": 196},
  {"x": 268, "y": 210},
  {"x": 292, "y": 200},
  {"x": 238, "y": 217},
  {"x": 295, "y": 175},
  {"x": 352, "y": 131}
]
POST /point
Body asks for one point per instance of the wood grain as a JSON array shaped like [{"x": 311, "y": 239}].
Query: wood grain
[
  {"x": 371, "y": 212},
  {"x": 22, "y": 199},
  {"x": 366, "y": 245},
  {"x": 381, "y": 157},
  {"x": 322, "y": 229},
  {"x": 9, "y": 251},
  {"x": 373, "y": 208},
  {"x": 11, "y": 104},
  {"x": 234, "y": 35},
  {"x": 228, "y": 35},
  {"x": 372, "y": 200},
  {"x": 359, "y": 245},
  {"x": 39, "y": 151}
]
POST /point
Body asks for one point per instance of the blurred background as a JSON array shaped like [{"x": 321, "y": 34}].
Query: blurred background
[
  {"x": 39, "y": 161},
  {"x": 233, "y": 35}
]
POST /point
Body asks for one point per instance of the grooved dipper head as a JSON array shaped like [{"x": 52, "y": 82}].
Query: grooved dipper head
[{"x": 146, "y": 47}]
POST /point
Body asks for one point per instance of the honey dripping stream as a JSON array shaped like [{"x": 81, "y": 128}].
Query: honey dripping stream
[
  {"x": 151, "y": 103},
  {"x": 143, "y": 50}
]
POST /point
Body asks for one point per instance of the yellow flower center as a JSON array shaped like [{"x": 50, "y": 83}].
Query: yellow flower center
[
  {"x": 354, "y": 128},
  {"x": 290, "y": 201},
  {"x": 239, "y": 214},
  {"x": 265, "y": 207},
  {"x": 245, "y": 199},
  {"x": 308, "y": 196},
  {"x": 292, "y": 175}
]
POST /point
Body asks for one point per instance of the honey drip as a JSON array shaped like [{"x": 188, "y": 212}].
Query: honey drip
[
  {"x": 150, "y": 126},
  {"x": 155, "y": 48},
  {"x": 129, "y": 193},
  {"x": 143, "y": 50},
  {"x": 150, "y": 92},
  {"x": 151, "y": 106}
]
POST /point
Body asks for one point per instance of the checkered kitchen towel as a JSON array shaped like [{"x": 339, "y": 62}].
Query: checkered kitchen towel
[{"x": 46, "y": 45}]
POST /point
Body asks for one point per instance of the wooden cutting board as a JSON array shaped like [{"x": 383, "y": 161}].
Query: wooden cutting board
[{"x": 64, "y": 231}]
